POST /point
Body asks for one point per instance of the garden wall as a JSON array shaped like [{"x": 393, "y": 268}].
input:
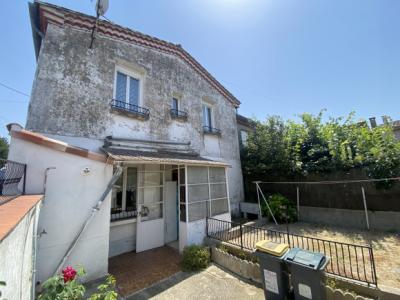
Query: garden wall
[{"x": 337, "y": 196}]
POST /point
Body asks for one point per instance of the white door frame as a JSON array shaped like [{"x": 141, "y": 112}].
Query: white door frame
[{"x": 149, "y": 233}]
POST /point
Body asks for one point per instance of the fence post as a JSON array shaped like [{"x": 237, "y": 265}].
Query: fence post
[
  {"x": 241, "y": 236},
  {"x": 365, "y": 206},
  {"x": 371, "y": 252}
]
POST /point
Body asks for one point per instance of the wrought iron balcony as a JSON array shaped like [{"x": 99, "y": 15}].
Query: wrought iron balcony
[
  {"x": 12, "y": 180},
  {"x": 130, "y": 109},
  {"x": 211, "y": 130},
  {"x": 178, "y": 114}
]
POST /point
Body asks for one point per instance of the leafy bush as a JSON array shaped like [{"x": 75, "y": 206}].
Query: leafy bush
[
  {"x": 290, "y": 149},
  {"x": 195, "y": 258},
  {"x": 68, "y": 286},
  {"x": 106, "y": 291},
  {"x": 239, "y": 253},
  {"x": 280, "y": 206}
]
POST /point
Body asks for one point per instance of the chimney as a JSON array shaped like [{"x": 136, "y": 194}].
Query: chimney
[
  {"x": 386, "y": 120},
  {"x": 373, "y": 122}
]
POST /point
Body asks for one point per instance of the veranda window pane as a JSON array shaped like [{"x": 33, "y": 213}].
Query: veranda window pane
[
  {"x": 149, "y": 195},
  {"x": 120, "y": 89},
  {"x": 150, "y": 179},
  {"x": 197, "y": 175},
  {"x": 152, "y": 211},
  {"x": 198, "y": 192},
  {"x": 217, "y": 175},
  {"x": 218, "y": 191},
  {"x": 198, "y": 211},
  {"x": 219, "y": 207},
  {"x": 182, "y": 176},
  {"x": 183, "y": 212},
  {"x": 131, "y": 182},
  {"x": 116, "y": 195}
]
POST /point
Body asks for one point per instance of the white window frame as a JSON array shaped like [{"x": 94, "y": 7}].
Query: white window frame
[{"x": 134, "y": 75}]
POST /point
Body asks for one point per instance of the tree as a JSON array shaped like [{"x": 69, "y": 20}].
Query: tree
[
  {"x": 287, "y": 149},
  {"x": 3, "y": 148}
]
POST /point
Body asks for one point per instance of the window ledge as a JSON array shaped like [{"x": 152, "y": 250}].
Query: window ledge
[
  {"x": 178, "y": 115},
  {"x": 211, "y": 131},
  {"x": 130, "y": 114}
]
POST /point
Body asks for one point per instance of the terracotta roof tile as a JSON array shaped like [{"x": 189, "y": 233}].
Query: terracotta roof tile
[{"x": 12, "y": 212}]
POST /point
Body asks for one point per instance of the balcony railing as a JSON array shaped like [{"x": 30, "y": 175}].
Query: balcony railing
[
  {"x": 130, "y": 109},
  {"x": 178, "y": 114},
  {"x": 211, "y": 130},
  {"x": 12, "y": 180}
]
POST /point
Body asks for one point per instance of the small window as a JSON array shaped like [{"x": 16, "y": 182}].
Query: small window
[
  {"x": 207, "y": 116},
  {"x": 243, "y": 137},
  {"x": 175, "y": 104},
  {"x": 127, "y": 89}
]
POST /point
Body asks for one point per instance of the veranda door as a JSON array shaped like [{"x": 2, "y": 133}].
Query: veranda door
[{"x": 150, "y": 220}]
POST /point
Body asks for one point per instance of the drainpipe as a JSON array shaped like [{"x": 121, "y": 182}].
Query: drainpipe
[
  {"x": 85, "y": 225},
  {"x": 34, "y": 249}
]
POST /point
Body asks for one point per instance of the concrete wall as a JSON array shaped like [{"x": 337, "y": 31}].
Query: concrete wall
[
  {"x": 381, "y": 220},
  {"x": 69, "y": 198},
  {"x": 16, "y": 252},
  {"x": 195, "y": 232},
  {"x": 122, "y": 237},
  {"x": 74, "y": 85}
]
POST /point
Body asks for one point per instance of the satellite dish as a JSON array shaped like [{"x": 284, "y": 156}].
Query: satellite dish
[{"x": 101, "y": 7}]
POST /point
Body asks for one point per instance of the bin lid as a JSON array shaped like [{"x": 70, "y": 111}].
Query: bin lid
[
  {"x": 276, "y": 249},
  {"x": 310, "y": 259}
]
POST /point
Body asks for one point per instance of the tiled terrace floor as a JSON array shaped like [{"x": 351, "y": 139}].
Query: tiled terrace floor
[{"x": 135, "y": 271}]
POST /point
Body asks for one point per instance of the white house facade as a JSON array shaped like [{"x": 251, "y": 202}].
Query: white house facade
[{"x": 127, "y": 102}]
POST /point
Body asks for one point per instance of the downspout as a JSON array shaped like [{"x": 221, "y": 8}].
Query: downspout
[
  {"x": 85, "y": 225},
  {"x": 34, "y": 241},
  {"x": 35, "y": 235}
]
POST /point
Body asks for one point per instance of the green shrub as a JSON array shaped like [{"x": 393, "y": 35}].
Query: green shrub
[
  {"x": 239, "y": 253},
  {"x": 195, "y": 258},
  {"x": 68, "y": 286},
  {"x": 280, "y": 206}
]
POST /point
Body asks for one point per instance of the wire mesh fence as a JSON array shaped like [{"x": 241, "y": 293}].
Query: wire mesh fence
[
  {"x": 12, "y": 180},
  {"x": 350, "y": 261}
]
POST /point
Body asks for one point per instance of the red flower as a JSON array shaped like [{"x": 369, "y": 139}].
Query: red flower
[{"x": 69, "y": 274}]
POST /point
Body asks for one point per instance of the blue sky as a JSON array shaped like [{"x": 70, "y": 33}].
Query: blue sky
[{"x": 281, "y": 57}]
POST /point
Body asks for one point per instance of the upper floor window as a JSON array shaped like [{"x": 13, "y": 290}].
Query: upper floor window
[
  {"x": 127, "y": 98},
  {"x": 127, "y": 88},
  {"x": 207, "y": 116},
  {"x": 243, "y": 137},
  {"x": 208, "y": 120},
  {"x": 175, "y": 104}
]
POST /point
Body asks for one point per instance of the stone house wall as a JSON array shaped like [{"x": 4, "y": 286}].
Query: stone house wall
[{"x": 74, "y": 85}]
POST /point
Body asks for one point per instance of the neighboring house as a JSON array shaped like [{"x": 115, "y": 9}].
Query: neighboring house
[
  {"x": 245, "y": 127},
  {"x": 396, "y": 129},
  {"x": 133, "y": 101},
  {"x": 386, "y": 120}
]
